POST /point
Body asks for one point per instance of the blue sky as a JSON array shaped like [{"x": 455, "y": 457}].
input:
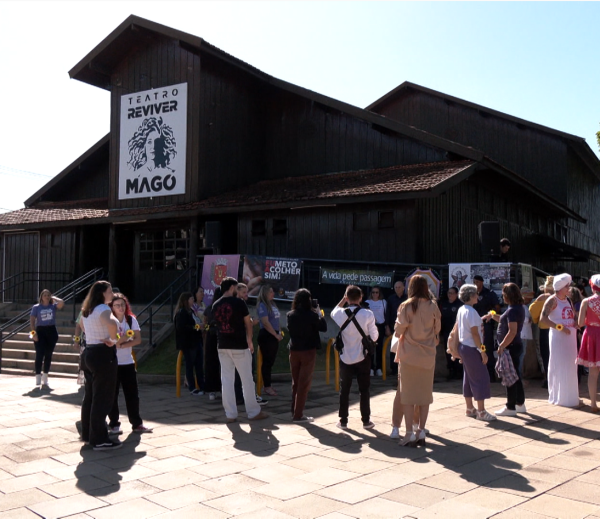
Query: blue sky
[{"x": 534, "y": 60}]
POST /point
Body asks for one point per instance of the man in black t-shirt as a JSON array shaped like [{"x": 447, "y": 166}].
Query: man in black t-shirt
[
  {"x": 449, "y": 310},
  {"x": 234, "y": 342}
]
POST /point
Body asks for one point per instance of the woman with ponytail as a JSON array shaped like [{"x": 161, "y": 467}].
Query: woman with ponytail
[{"x": 589, "y": 353}]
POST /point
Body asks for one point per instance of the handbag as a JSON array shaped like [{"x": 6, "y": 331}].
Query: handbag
[
  {"x": 338, "y": 344},
  {"x": 453, "y": 343}
]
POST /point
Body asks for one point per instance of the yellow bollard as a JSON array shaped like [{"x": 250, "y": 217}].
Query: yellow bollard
[
  {"x": 259, "y": 379},
  {"x": 328, "y": 360},
  {"x": 337, "y": 371},
  {"x": 384, "y": 356},
  {"x": 178, "y": 374}
]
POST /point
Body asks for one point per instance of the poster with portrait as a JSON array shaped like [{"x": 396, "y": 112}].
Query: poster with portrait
[
  {"x": 152, "y": 147},
  {"x": 216, "y": 268},
  {"x": 282, "y": 274},
  {"x": 494, "y": 275}
]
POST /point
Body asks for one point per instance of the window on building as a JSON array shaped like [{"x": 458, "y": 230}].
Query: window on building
[
  {"x": 164, "y": 250},
  {"x": 259, "y": 227},
  {"x": 386, "y": 220},
  {"x": 361, "y": 222},
  {"x": 279, "y": 227}
]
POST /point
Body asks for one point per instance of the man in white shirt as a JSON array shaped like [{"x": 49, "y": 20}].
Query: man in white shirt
[{"x": 352, "y": 359}]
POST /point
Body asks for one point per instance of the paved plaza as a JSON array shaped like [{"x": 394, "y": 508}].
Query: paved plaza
[{"x": 543, "y": 464}]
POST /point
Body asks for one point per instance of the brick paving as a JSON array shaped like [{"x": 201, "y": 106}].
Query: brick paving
[{"x": 543, "y": 464}]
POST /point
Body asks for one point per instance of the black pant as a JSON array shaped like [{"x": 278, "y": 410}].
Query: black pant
[
  {"x": 455, "y": 368},
  {"x": 268, "y": 345},
  {"x": 488, "y": 341},
  {"x": 44, "y": 347},
  {"x": 545, "y": 348},
  {"x": 515, "y": 395},
  {"x": 194, "y": 361},
  {"x": 212, "y": 379},
  {"x": 362, "y": 371},
  {"x": 100, "y": 366},
  {"x": 127, "y": 378},
  {"x": 376, "y": 362}
]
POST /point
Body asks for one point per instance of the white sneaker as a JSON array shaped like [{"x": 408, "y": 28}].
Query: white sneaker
[
  {"x": 520, "y": 408},
  {"x": 115, "y": 430},
  {"x": 416, "y": 428},
  {"x": 379, "y": 373},
  {"x": 505, "y": 412},
  {"x": 212, "y": 396},
  {"x": 395, "y": 434},
  {"x": 372, "y": 373}
]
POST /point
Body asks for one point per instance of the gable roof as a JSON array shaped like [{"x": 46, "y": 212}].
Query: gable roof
[
  {"x": 98, "y": 149},
  {"x": 96, "y": 66},
  {"x": 579, "y": 144}
]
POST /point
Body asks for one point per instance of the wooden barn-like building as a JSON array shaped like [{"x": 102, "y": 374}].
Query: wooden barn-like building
[{"x": 256, "y": 165}]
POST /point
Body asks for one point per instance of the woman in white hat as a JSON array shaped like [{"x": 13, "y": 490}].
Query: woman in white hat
[
  {"x": 559, "y": 315},
  {"x": 589, "y": 353}
]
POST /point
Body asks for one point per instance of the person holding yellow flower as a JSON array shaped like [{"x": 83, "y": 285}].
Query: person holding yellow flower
[
  {"x": 474, "y": 355},
  {"x": 510, "y": 324},
  {"x": 128, "y": 336}
]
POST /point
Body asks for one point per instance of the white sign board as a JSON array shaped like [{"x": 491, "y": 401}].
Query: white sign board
[{"x": 153, "y": 143}]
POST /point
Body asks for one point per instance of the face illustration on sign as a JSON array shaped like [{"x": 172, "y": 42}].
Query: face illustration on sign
[{"x": 152, "y": 146}]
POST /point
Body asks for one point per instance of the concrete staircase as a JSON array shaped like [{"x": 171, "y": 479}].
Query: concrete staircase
[{"x": 18, "y": 353}]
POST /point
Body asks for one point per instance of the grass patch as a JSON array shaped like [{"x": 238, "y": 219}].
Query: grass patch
[{"x": 163, "y": 359}]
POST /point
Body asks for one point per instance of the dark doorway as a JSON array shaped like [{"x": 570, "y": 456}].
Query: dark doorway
[{"x": 125, "y": 275}]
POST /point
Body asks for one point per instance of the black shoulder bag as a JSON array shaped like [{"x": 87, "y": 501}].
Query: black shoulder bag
[
  {"x": 338, "y": 344},
  {"x": 369, "y": 345}
]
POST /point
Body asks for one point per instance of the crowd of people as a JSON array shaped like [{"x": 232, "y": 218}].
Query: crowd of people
[{"x": 486, "y": 342}]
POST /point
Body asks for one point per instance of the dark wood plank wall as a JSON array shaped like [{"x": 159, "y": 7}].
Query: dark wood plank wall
[
  {"x": 539, "y": 157},
  {"x": 329, "y": 233},
  {"x": 448, "y": 226},
  {"x": 154, "y": 65},
  {"x": 231, "y": 129},
  {"x": 90, "y": 180},
  {"x": 304, "y": 137},
  {"x": 58, "y": 253},
  {"x": 583, "y": 196},
  {"x": 21, "y": 254}
]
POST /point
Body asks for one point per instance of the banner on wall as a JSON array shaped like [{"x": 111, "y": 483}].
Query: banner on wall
[
  {"x": 363, "y": 278},
  {"x": 494, "y": 275},
  {"x": 433, "y": 279},
  {"x": 283, "y": 274},
  {"x": 214, "y": 270},
  {"x": 152, "y": 147}
]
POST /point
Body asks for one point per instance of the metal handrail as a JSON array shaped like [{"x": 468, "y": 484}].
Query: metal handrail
[
  {"x": 71, "y": 290},
  {"x": 35, "y": 277},
  {"x": 166, "y": 296}
]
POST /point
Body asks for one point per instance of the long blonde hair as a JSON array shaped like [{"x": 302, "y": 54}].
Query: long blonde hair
[
  {"x": 42, "y": 293},
  {"x": 263, "y": 297}
]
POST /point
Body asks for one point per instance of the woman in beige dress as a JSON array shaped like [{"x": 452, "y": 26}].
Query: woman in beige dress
[{"x": 418, "y": 326}]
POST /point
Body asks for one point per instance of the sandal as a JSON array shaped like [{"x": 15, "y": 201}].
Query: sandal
[
  {"x": 471, "y": 413},
  {"x": 594, "y": 409},
  {"x": 409, "y": 440},
  {"x": 484, "y": 416},
  {"x": 270, "y": 391}
]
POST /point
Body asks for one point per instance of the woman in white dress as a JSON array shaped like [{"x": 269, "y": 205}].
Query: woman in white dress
[{"x": 558, "y": 314}]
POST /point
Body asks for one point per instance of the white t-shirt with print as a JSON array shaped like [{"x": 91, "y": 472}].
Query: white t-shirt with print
[{"x": 124, "y": 355}]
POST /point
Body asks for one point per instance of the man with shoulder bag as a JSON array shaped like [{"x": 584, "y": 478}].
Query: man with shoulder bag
[{"x": 358, "y": 333}]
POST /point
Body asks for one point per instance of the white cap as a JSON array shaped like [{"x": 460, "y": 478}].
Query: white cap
[
  {"x": 595, "y": 280},
  {"x": 561, "y": 281}
]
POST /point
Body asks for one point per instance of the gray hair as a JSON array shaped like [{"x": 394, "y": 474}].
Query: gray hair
[{"x": 466, "y": 293}]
